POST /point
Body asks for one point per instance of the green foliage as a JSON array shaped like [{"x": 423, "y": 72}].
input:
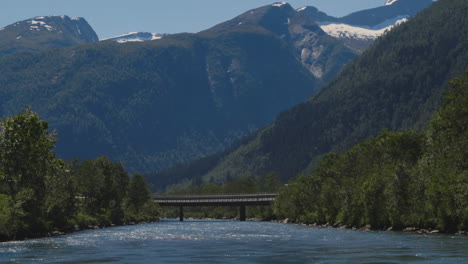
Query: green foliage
[
  {"x": 395, "y": 179},
  {"x": 27, "y": 162},
  {"x": 447, "y": 159},
  {"x": 41, "y": 193},
  {"x": 138, "y": 193}
]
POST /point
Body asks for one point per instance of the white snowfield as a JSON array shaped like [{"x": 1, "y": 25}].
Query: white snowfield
[
  {"x": 390, "y": 2},
  {"x": 301, "y": 9},
  {"x": 136, "y": 37},
  {"x": 37, "y": 22},
  {"x": 279, "y": 4},
  {"x": 339, "y": 30}
]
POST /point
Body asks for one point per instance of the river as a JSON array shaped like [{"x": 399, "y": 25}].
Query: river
[{"x": 211, "y": 241}]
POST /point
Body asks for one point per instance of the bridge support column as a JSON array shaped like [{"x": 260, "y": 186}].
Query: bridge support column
[
  {"x": 242, "y": 212},
  {"x": 181, "y": 213}
]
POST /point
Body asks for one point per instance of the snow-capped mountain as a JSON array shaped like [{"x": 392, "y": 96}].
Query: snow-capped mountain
[
  {"x": 136, "y": 37},
  {"x": 45, "y": 32},
  {"x": 358, "y": 30},
  {"x": 322, "y": 55}
]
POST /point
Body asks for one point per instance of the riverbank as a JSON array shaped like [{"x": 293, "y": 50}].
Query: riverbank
[
  {"x": 75, "y": 229},
  {"x": 367, "y": 228}
]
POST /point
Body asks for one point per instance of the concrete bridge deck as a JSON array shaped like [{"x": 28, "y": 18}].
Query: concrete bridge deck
[{"x": 242, "y": 200}]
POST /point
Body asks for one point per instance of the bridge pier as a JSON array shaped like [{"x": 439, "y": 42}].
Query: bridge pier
[
  {"x": 181, "y": 213},
  {"x": 242, "y": 213}
]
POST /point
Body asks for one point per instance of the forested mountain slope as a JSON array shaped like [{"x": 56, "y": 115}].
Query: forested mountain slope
[
  {"x": 156, "y": 103},
  {"x": 397, "y": 84}
]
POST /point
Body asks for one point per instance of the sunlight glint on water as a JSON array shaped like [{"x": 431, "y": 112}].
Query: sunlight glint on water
[{"x": 236, "y": 242}]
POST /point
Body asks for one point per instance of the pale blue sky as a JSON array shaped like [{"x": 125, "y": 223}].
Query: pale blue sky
[{"x": 115, "y": 17}]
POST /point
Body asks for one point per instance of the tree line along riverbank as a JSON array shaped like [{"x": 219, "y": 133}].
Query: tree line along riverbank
[
  {"x": 397, "y": 179},
  {"x": 41, "y": 194}
]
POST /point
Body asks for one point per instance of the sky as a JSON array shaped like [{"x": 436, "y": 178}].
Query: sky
[{"x": 116, "y": 17}]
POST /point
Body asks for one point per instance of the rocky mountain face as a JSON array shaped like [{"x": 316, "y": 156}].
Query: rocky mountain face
[
  {"x": 45, "y": 32},
  {"x": 321, "y": 54}
]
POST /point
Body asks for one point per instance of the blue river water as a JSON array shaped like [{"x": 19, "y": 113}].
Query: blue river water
[{"x": 211, "y": 241}]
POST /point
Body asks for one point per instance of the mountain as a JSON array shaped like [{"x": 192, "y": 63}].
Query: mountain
[
  {"x": 321, "y": 54},
  {"x": 396, "y": 84},
  {"x": 156, "y": 103},
  {"x": 136, "y": 37},
  {"x": 360, "y": 29},
  {"x": 152, "y": 104},
  {"x": 41, "y": 33}
]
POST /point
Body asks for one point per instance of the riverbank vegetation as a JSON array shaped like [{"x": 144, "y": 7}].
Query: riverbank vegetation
[
  {"x": 397, "y": 179},
  {"x": 40, "y": 193}
]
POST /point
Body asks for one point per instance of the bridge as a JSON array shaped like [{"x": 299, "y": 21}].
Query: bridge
[{"x": 241, "y": 200}]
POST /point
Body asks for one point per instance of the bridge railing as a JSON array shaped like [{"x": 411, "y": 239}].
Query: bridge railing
[{"x": 215, "y": 198}]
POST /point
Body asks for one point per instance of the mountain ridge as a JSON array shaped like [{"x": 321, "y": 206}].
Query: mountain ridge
[{"x": 45, "y": 32}]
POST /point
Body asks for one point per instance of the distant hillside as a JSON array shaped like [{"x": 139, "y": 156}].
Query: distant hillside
[
  {"x": 396, "y": 84},
  {"x": 41, "y": 33}
]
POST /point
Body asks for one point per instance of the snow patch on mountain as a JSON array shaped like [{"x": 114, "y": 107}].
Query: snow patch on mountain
[
  {"x": 279, "y": 4},
  {"x": 136, "y": 37},
  {"x": 38, "y": 22},
  {"x": 348, "y": 31},
  {"x": 391, "y": 22},
  {"x": 390, "y": 2},
  {"x": 338, "y": 30}
]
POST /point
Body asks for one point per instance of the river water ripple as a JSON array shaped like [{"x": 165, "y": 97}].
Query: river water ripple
[{"x": 206, "y": 241}]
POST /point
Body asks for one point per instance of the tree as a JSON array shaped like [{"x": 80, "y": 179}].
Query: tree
[
  {"x": 447, "y": 159},
  {"x": 26, "y": 159},
  {"x": 138, "y": 193}
]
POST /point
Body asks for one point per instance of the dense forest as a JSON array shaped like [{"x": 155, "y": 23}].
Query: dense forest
[
  {"x": 396, "y": 84},
  {"x": 397, "y": 179},
  {"x": 41, "y": 194}
]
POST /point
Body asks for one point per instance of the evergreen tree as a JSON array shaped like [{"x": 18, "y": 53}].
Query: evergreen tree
[{"x": 138, "y": 193}]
